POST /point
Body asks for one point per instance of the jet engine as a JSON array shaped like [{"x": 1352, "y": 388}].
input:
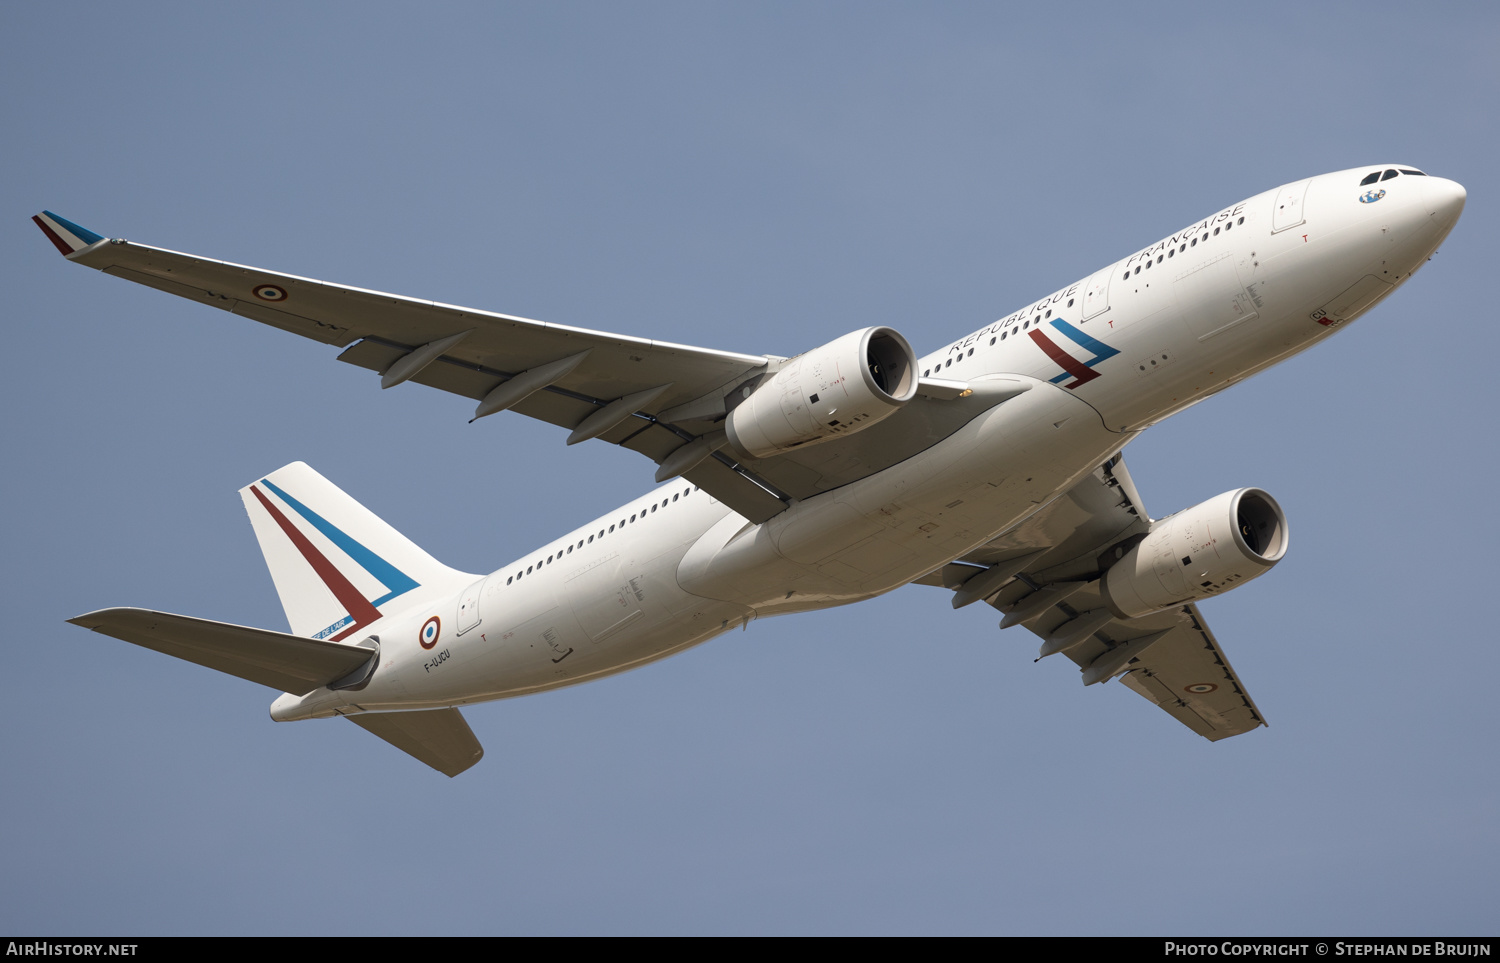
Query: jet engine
[
  {"x": 843, "y": 387},
  {"x": 1202, "y": 551}
]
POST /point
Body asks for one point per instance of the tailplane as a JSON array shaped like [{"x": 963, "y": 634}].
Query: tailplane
[
  {"x": 335, "y": 564},
  {"x": 441, "y": 738}
]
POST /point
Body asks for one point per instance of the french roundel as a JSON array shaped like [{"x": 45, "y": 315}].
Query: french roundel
[
  {"x": 431, "y": 629},
  {"x": 270, "y": 292}
]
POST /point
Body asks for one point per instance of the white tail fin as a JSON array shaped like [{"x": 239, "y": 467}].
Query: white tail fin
[{"x": 335, "y": 564}]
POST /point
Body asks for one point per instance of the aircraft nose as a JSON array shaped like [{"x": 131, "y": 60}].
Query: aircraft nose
[{"x": 1445, "y": 199}]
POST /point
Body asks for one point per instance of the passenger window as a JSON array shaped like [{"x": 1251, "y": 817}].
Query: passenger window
[{"x": 1370, "y": 179}]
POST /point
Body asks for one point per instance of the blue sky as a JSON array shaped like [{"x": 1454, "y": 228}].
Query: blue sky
[{"x": 760, "y": 178}]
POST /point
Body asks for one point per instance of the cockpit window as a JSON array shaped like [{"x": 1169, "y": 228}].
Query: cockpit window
[
  {"x": 1370, "y": 179},
  {"x": 1418, "y": 173},
  {"x": 1388, "y": 175}
]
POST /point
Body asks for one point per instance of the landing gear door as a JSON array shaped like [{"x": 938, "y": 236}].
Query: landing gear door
[
  {"x": 468, "y": 607},
  {"x": 1096, "y": 294},
  {"x": 1288, "y": 210}
]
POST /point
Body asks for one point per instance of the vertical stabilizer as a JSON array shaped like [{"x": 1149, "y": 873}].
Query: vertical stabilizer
[{"x": 337, "y": 567}]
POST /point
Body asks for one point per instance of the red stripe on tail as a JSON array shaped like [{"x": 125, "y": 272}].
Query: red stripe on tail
[{"x": 350, "y": 597}]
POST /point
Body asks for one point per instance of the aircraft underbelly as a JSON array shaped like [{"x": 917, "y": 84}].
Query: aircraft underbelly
[
  {"x": 881, "y": 532},
  {"x": 602, "y": 615}
]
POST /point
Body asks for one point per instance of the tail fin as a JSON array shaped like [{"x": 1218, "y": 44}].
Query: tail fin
[{"x": 335, "y": 564}]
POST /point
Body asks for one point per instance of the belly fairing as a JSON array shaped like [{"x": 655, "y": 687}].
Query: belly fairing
[{"x": 881, "y": 532}]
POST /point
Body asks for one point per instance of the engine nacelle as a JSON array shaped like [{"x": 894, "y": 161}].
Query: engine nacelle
[
  {"x": 1202, "y": 551},
  {"x": 844, "y": 386}
]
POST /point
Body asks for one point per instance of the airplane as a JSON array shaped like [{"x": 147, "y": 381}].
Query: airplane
[{"x": 990, "y": 468}]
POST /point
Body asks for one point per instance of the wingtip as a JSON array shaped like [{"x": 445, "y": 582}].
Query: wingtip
[
  {"x": 66, "y": 236},
  {"x": 98, "y": 617}
]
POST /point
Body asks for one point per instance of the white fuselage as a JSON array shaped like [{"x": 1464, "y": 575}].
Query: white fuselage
[{"x": 1105, "y": 358}]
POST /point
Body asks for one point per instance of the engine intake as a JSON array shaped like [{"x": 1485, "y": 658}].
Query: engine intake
[
  {"x": 845, "y": 386},
  {"x": 1197, "y": 553}
]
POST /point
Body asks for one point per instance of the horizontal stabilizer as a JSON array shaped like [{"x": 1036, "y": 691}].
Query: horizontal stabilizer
[
  {"x": 284, "y": 662},
  {"x": 439, "y": 737}
]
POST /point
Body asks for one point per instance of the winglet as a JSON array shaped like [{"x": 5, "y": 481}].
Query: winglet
[{"x": 67, "y": 236}]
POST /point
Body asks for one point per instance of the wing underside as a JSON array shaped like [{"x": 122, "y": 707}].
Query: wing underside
[
  {"x": 653, "y": 397},
  {"x": 1044, "y": 576}
]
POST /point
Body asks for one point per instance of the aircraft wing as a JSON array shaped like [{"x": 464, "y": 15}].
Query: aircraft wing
[
  {"x": 1044, "y": 575},
  {"x": 653, "y": 397}
]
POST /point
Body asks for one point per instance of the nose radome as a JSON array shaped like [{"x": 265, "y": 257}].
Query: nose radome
[{"x": 1445, "y": 199}]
